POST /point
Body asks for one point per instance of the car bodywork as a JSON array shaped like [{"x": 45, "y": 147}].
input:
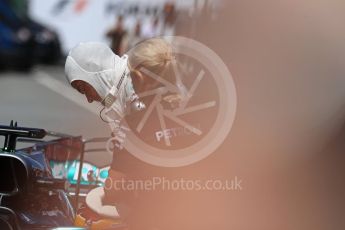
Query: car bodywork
[{"x": 32, "y": 195}]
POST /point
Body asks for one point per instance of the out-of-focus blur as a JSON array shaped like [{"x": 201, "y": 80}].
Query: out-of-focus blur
[
  {"x": 25, "y": 41},
  {"x": 287, "y": 142}
]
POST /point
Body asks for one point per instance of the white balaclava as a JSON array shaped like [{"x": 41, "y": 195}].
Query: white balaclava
[{"x": 96, "y": 64}]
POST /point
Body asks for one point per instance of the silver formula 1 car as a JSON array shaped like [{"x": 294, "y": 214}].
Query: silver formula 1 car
[{"x": 44, "y": 186}]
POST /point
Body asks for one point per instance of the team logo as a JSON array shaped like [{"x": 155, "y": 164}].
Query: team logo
[{"x": 189, "y": 119}]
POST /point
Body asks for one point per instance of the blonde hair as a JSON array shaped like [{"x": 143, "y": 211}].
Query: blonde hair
[{"x": 154, "y": 55}]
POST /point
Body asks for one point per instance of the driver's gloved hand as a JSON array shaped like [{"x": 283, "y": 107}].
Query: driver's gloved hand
[
  {"x": 118, "y": 135},
  {"x": 95, "y": 201}
]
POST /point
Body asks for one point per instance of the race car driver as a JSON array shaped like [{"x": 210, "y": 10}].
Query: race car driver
[{"x": 102, "y": 76}]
